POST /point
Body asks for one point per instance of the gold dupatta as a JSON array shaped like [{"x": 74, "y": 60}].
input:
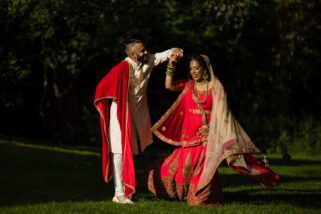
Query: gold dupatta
[{"x": 226, "y": 139}]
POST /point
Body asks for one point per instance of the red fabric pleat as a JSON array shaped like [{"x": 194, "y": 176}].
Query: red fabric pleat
[{"x": 115, "y": 86}]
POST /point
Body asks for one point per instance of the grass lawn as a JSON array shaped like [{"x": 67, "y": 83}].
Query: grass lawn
[{"x": 45, "y": 179}]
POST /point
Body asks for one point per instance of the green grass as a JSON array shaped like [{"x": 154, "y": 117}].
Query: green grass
[{"x": 44, "y": 179}]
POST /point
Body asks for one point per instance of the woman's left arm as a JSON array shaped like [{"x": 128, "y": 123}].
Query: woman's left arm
[{"x": 169, "y": 82}]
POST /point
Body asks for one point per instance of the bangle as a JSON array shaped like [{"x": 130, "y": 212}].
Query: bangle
[
  {"x": 170, "y": 71},
  {"x": 170, "y": 66}
]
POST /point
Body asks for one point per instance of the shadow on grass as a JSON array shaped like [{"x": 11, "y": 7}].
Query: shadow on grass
[
  {"x": 303, "y": 199},
  {"x": 32, "y": 176}
]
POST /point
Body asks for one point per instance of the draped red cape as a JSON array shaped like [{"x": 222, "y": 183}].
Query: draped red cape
[{"x": 114, "y": 87}]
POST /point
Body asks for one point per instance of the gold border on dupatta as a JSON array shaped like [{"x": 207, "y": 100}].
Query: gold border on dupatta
[
  {"x": 126, "y": 124},
  {"x": 171, "y": 109},
  {"x": 209, "y": 176},
  {"x": 165, "y": 116},
  {"x": 107, "y": 140}
]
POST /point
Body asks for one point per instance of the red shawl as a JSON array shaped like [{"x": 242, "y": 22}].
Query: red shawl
[{"x": 114, "y": 87}]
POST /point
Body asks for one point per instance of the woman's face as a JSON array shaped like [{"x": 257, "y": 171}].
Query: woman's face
[{"x": 196, "y": 71}]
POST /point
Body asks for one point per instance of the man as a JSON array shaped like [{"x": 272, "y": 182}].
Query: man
[{"x": 121, "y": 101}]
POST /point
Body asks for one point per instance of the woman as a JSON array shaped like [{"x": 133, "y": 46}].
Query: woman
[{"x": 206, "y": 133}]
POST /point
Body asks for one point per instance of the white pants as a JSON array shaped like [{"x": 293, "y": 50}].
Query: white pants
[
  {"x": 116, "y": 149},
  {"x": 118, "y": 173},
  {"x": 114, "y": 130}
]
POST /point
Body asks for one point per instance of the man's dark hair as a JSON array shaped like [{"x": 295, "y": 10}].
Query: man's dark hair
[{"x": 128, "y": 45}]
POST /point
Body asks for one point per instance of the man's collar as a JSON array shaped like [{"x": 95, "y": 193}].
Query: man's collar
[{"x": 133, "y": 63}]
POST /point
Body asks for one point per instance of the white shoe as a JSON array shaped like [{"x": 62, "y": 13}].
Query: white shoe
[{"x": 126, "y": 201}]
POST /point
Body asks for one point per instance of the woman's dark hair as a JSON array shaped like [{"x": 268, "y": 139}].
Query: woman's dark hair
[{"x": 200, "y": 60}]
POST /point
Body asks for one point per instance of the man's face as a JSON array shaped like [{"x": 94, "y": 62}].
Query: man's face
[{"x": 140, "y": 53}]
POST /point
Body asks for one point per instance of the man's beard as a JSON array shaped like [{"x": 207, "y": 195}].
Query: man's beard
[{"x": 143, "y": 59}]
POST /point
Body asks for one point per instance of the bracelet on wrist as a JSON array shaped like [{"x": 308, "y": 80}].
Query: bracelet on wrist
[
  {"x": 170, "y": 71},
  {"x": 170, "y": 66}
]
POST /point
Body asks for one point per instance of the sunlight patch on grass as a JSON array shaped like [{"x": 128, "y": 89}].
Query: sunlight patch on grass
[{"x": 51, "y": 148}]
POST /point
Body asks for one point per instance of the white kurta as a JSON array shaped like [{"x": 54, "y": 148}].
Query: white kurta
[{"x": 140, "y": 117}]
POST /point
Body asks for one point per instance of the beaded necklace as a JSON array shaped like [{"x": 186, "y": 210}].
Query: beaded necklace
[{"x": 196, "y": 93}]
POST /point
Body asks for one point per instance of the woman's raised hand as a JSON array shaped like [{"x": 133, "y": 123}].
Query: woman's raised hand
[{"x": 176, "y": 55}]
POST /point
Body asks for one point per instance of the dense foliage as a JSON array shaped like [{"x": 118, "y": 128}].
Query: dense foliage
[{"x": 53, "y": 52}]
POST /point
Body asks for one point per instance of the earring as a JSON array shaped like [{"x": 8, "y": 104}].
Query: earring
[{"x": 205, "y": 76}]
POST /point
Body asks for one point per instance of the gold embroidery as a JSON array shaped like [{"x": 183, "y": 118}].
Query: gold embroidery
[
  {"x": 168, "y": 159},
  {"x": 218, "y": 160},
  {"x": 187, "y": 167},
  {"x": 170, "y": 110},
  {"x": 181, "y": 190},
  {"x": 161, "y": 186},
  {"x": 198, "y": 167},
  {"x": 174, "y": 165},
  {"x": 169, "y": 185},
  {"x": 194, "y": 200},
  {"x": 198, "y": 111},
  {"x": 179, "y": 143},
  {"x": 135, "y": 82},
  {"x": 150, "y": 183},
  {"x": 125, "y": 147},
  {"x": 184, "y": 136},
  {"x": 158, "y": 131}
]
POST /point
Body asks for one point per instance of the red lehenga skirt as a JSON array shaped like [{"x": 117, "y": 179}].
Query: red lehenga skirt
[{"x": 177, "y": 176}]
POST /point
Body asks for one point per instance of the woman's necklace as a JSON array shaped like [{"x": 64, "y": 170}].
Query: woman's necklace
[
  {"x": 201, "y": 83},
  {"x": 196, "y": 93}
]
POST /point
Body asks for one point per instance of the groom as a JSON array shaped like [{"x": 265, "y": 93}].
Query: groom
[{"x": 121, "y": 101}]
